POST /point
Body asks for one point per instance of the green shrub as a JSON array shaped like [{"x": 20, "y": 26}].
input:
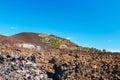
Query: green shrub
[
  {"x": 55, "y": 42},
  {"x": 52, "y": 41},
  {"x": 104, "y": 51}
]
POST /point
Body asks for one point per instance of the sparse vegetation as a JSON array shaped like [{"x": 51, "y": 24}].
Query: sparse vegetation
[
  {"x": 104, "y": 51},
  {"x": 55, "y": 42},
  {"x": 43, "y": 35},
  {"x": 52, "y": 41},
  {"x": 80, "y": 63},
  {"x": 91, "y": 50}
]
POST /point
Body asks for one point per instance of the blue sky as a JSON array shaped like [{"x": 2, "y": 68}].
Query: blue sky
[{"x": 91, "y": 23}]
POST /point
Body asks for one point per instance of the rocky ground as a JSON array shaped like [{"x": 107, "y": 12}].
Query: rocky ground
[
  {"x": 18, "y": 63},
  {"x": 59, "y": 64},
  {"x": 13, "y": 67}
]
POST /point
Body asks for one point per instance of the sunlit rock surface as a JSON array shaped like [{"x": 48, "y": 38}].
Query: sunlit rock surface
[{"x": 14, "y": 67}]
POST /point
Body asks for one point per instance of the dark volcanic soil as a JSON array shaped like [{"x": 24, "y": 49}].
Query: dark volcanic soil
[
  {"x": 64, "y": 64},
  {"x": 32, "y": 38}
]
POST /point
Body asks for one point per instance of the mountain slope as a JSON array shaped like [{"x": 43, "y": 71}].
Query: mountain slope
[
  {"x": 28, "y": 37},
  {"x": 78, "y": 63},
  {"x": 44, "y": 39}
]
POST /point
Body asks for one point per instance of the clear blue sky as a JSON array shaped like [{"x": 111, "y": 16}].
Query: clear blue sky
[{"x": 92, "y": 23}]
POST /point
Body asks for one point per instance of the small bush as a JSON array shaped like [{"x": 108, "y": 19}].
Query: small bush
[
  {"x": 104, "y": 51},
  {"x": 55, "y": 42},
  {"x": 52, "y": 41}
]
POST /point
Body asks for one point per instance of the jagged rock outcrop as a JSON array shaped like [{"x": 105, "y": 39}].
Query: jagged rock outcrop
[{"x": 13, "y": 67}]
